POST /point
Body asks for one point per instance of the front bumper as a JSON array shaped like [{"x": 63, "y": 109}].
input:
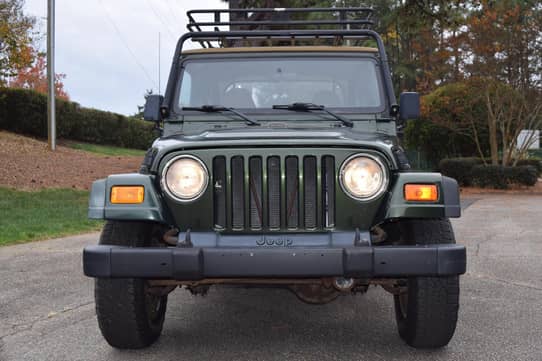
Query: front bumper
[{"x": 177, "y": 263}]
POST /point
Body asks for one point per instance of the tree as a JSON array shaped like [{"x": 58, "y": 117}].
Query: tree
[
  {"x": 503, "y": 49},
  {"x": 489, "y": 112},
  {"x": 504, "y": 42},
  {"x": 35, "y": 77},
  {"x": 460, "y": 108},
  {"x": 509, "y": 111},
  {"x": 16, "y": 39}
]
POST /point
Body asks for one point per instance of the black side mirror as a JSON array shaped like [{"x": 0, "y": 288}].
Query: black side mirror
[
  {"x": 152, "y": 112},
  {"x": 409, "y": 106}
]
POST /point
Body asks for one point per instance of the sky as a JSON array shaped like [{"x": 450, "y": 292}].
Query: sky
[{"x": 108, "y": 49}]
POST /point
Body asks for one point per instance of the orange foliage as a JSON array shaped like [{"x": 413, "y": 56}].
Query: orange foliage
[
  {"x": 502, "y": 41},
  {"x": 35, "y": 77}
]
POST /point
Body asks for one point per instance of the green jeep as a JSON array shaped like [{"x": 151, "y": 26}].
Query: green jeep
[{"x": 278, "y": 165}]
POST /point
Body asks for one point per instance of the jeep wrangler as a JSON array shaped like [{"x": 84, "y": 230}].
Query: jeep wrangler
[{"x": 278, "y": 164}]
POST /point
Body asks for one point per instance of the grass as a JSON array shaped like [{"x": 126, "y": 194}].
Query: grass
[
  {"x": 48, "y": 213},
  {"x": 106, "y": 149}
]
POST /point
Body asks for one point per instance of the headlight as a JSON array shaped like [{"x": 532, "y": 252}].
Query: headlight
[
  {"x": 185, "y": 178},
  {"x": 363, "y": 177}
]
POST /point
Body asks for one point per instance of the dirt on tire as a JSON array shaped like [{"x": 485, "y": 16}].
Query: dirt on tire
[{"x": 28, "y": 164}]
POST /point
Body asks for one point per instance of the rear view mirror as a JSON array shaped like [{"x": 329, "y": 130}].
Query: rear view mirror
[
  {"x": 152, "y": 112},
  {"x": 409, "y": 106}
]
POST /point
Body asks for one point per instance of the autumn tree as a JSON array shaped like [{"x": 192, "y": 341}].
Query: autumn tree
[
  {"x": 35, "y": 77},
  {"x": 504, "y": 49},
  {"x": 16, "y": 39},
  {"x": 504, "y": 42}
]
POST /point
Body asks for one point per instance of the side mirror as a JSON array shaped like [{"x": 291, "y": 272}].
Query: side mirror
[
  {"x": 409, "y": 106},
  {"x": 152, "y": 112}
]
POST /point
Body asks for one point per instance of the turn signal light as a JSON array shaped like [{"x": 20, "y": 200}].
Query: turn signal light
[
  {"x": 127, "y": 194},
  {"x": 421, "y": 192}
]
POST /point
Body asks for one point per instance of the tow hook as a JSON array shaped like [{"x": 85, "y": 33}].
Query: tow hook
[{"x": 171, "y": 238}]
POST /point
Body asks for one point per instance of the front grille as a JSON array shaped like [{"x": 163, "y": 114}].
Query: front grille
[{"x": 273, "y": 193}]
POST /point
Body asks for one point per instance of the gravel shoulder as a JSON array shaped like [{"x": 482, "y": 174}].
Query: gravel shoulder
[{"x": 47, "y": 308}]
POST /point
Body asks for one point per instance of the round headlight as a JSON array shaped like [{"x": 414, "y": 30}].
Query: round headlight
[
  {"x": 363, "y": 177},
  {"x": 185, "y": 178}
]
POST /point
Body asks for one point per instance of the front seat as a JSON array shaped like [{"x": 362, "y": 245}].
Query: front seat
[{"x": 238, "y": 98}]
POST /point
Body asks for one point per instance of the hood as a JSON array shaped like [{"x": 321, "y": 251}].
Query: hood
[
  {"x": 291, "y": 135},
  {"x": 269, "y": 137}
]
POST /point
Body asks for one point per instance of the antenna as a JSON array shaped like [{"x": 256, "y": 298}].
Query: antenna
[{"x": 159, "y": 67}]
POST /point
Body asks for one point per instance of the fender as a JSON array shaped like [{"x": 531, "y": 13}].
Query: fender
[
  {"x": 152, "y": 209},
  {"x": 447, "y": 205}
]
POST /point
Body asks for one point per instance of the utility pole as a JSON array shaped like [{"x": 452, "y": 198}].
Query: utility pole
[
  {"x": 51, "y": 111},
  {"x": 159, "y": 72}
]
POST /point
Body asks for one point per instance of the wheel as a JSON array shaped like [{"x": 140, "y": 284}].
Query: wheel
[
  {"x": 129, "y": 317},
  {"x": 426, "y": 312}
]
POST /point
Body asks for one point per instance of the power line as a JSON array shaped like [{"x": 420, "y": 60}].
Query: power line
[
  {"x": 161, "y": 20},
  {"x": 123, "y": 41},
  {"x": 174, "y": 12}
]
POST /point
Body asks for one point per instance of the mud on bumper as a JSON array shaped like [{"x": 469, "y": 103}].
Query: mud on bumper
[{"x": 197, "y": 263}]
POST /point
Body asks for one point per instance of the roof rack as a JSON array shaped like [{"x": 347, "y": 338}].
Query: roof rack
[
  {"x": 348, "y": 18},
  {"x": 336, "y": 32}
]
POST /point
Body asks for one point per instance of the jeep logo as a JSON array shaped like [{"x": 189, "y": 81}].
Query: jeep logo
[{"x": 274, "y": 242}]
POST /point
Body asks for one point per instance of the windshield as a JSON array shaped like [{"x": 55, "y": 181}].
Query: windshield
[{"x": 261, "y": 83}]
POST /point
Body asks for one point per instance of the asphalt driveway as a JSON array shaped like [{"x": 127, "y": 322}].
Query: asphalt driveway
[{"x": 47, "y": 308}]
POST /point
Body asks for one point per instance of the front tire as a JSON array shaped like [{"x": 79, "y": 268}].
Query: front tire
[
  {"x": 129, "y": 317},
  {"x": 426, "y": 313}
]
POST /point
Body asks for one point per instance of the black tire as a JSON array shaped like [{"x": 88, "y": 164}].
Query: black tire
[
  {"x": 427, "y": 313},
  {"x": 128, "y": 316}
]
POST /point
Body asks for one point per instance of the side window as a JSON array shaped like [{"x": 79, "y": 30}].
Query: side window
[{"x": 186, "y": 89}]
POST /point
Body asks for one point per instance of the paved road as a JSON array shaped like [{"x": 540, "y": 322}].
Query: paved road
[{"x": 47, "y": 310}]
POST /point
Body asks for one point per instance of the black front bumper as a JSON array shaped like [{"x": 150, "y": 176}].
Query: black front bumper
[{"x": 220, "y": 262}]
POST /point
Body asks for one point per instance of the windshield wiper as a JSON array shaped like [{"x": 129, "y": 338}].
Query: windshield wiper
[
  {"x": 307, "y": 107},
  {"x": 220, "y": 109}
]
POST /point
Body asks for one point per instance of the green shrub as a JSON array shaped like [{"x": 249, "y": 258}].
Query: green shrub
[
  {"x": 471, "y": 171},
  {"x": 459, "y": 168},
  {"x": 497, "y": 176},
  {"x": 522, "y": 175},
  {"x": 488, "y": 176},
  {"x": 445, "y": 129},
  {"x": 535, "y": 163},
  {"x": 25, "y": 112}
]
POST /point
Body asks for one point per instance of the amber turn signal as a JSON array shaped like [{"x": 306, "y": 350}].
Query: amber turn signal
[
  {"x": 127, "y": 194},
  {"x": 421, "y": 192}
]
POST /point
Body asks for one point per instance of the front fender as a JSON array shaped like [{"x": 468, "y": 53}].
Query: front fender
[
  {"x": 100, "y": 206},
  {"x": 447, "y": 205}
]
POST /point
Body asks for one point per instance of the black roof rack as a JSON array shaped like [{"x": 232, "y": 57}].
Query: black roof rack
[
  {"x": 248, "y": 28},
  {"x": 348, "y": 18}
]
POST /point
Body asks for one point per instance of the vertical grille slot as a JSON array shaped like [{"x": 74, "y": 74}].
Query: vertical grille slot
[
  {"x": 219, "y": 190},
  {"x": 237, "y": 192},
  {"x": 273, "y": 191},
  {"x": 310, "y": 195},
  {"x": 328, "y": 187},
  {"x": 292, "y": 192},
  {"x": 255, "y": 192}
]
